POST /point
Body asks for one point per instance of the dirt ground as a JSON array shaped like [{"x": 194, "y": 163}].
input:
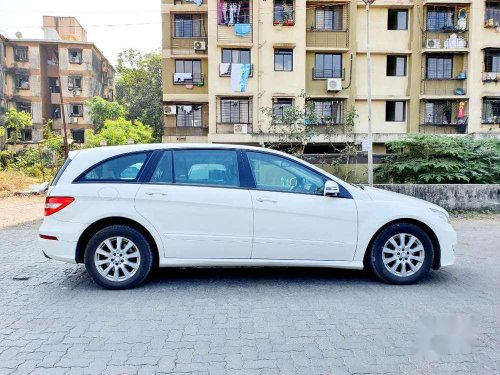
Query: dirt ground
[{"x": 18, "y": 210}]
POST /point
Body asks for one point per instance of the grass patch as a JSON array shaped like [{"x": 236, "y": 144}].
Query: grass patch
[{"x": 11, "y": 182}]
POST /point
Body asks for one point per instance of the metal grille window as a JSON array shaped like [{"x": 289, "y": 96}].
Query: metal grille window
[
  {"x": 438, "y": 113},
  {"x": 76, "y": 110},
  {"x": 188, "y": 26},
  {"x": 187, "y": 71},
  {"x": 235, "y": 56},
  {"x": 439, "y": 67},
  {"x": 284, "y": 12},
  {"x": 491, "y": 110},
  {"x": 23, "y": 107},
  {"x": 492, "y": 60},
  {"x": 440, "y": 18},
  {"x": 21, "y": 53},
  {"x": 492, "y": 15},
  {"x": 75, "y": 55},
  {"x": 280, "y": 107},
  {"x": 396, "y": 66},
  {"x": 22, "y": 81},
  {"x": 397, "y": 19},
  {"x": 235, "y": 111},
  {"x": 189, "y": 116},
  {"x": 395, "y": 111},
  {"x": 327, "y": 111},
  {"x": 329, "y": 18},
  {"x": 328, "y": 65},
  {"x": 75, "y": 83},
  {"x": 283, "y": 60}
]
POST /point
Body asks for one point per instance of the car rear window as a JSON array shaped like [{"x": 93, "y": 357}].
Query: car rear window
[{"x": 125, "y": 168}]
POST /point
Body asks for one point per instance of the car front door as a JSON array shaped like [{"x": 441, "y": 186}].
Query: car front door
[
  {"x": 194, "y": 200},
  {"x": 292, "y": 217}
]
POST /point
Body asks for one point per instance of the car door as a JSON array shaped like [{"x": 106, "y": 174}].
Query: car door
[
  {"x": 194, "y": 200},
  {"x": 292, "y": 217}
]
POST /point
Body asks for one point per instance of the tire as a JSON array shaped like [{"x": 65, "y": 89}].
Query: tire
[
  {"x": 114, "y": 269},
  {"x": 401, "y": 265}
]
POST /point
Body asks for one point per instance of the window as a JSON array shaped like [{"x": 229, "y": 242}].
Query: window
[
  {"x": 121, "y": 168},
  {"x": 76, "y": 110},
  {"x": 492, "y": 60},
  {"x": 329, "y": 18},
  {"x": 78, "y": 135},
  {"x": 396, "y": 66},
  {"x": 206, "y": 167},
  {"x": 283, "y": 60},
  {"x": 235, "y": 111},
  {"x": 395, "y": 111},
  {"x": 54, "y": 85},
  {"x": 189, "y": 116},
  {"x": 280, "y": 108},
  {"x": 326, "y": 112},
  {"x": 23, "y": 107},
  {"x": 328, "y": 65},
  {"x": 440, "y": 19},
  {"x": 56, "y": 111},
  {"x": 22, "y": 81},
  {"x": 397, "y": 19},
  {"x": 27, "y": 135},
  {"x": 21, "y": 53},
  {"x": 439, "y": 67},
  {"x": 275, "y": 173},
  {"x": 438, "y": 113},
  {"x": 228, "y": 14},
  {"x": 75, "y": 83},
  {"x": 284, "y": 12},
  {"x": 187, "y": 71},
  {"x": 163, "y": 172},
  {"x": 188, "y": 26},
  {"x": 75, "y": 56},
  {"x": 492, "y": 15},
  {"x": 491, "y": 111},
  {"x": 235, "y": 56}
]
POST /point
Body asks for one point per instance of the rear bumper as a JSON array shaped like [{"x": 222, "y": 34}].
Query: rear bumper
[
  {"x": 67, "y": 234},
  {"x": 447, "y": 243},
  {"x": 59, "y": 250}
]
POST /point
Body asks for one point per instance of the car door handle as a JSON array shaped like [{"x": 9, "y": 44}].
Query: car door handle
[
  {"x": 266, "y": 199},
  {"x": 155, "y": 192}
]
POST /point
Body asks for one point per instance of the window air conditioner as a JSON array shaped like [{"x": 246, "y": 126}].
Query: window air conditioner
[
  {"x": 334, "y": 84},
  {"x": 240, "y": 129}
]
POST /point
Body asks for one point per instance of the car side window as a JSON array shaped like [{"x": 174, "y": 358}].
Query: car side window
[
  {"x": 275, "y": 173},
  {"x": 206, "y": 167},
  {"x": 163, "y": 172},
  {"x": 123, "y": 168}
]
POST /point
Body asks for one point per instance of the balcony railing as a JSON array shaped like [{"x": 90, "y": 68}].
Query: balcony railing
[
  {"x": 186, "y": 46},
  {"x": 444, "y": 87},
  {"x": 186, "y": 131},
  {"x": 234, "y": 27},
  {"x": 445, "y": 39},
  {"x": 443, "y": 117},
  {"x": 228, "y": 73},
  {"x": 284, "y": 15},
  {"x": 188, "y": 2},
  {"x": 230, "y": 128},
  {"x": 328, "y": 73},
  {"x": 188, "y": 79},
  {"x": 327, "y": 38}
]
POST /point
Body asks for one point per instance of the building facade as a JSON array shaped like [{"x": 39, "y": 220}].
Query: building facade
[
  {"x": 435, "y": 66},
  {"x": 38, "y": 71}
]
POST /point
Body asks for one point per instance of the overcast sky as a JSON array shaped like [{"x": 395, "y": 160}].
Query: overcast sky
[{"x": 113, "y": 25}]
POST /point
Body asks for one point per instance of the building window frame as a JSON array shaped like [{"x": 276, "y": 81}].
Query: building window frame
[
  {"x": 492, "y": 60},
  {"x": 75, "y": 110},
  {"x": 491, "y": 111},
  {"x": 395, "y": 22},
  {"x": 75, "y": 55},
  {"x": 280, "y": 106},
  {"x": 188, "y": 26},
  {"x": 284, "y": 12},
  {"x": 395, "y": 111},
  {"x": 191, "y": 117},
  {"x": 235, "y": 110},
  {"x": 21, "y": 53},
  {"x": 440, "y": 18},
  {"x": 24, "y": 107},
  {"x": 75, "y": 83},
  {"x": 285, "y": 58},
  {"x": 439, "y": 67},
  {"x": 22, "y": 81},
  {"x": 326, "y": 111},
  {"x": 394, "y": 65},
  {"x": 329, "y": 18},
  {"x": 329, "y": 72},
  {"x": 187, "y": 66},
  {"x": 492, "y": 13}
]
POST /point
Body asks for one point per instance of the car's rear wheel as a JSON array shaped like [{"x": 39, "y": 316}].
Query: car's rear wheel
[
  {"x": 402, "y": 254},
  {"x": 118, "y": 257}
]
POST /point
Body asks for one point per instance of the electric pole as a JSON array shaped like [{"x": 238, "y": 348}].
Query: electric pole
[
  {"x": 63, "y": 114},
  {"x": 369, "y": 76}
]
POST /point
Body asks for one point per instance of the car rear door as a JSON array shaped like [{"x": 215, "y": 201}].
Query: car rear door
[{"x": 194, "y": 199}]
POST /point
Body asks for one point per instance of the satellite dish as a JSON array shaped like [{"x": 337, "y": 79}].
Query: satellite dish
[{"x": 19, "y": 35}]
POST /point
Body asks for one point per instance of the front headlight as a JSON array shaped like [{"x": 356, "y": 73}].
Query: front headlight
[{"x": 444, "y": 216}]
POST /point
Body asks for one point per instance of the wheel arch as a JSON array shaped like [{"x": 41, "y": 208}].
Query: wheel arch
[
  {"x": 436, "y": 262},
  {"x": 115, "y": 220}
]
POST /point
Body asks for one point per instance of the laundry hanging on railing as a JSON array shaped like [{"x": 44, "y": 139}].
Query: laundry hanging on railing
[
  {"x": 242, "y": 29},
  {"x": 181, "y": 77},
  {"x": 239, "y": 77},
  {"x": 230, "y": 13}
]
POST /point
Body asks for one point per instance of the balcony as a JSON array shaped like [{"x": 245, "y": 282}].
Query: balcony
[
  {"x": 328, "y": 73},
  {"x": 234, "y": 115},
  {"x": 327, "y": 39},
  {"x": 196, "y": 79},
  {"x": 234, "y": 25},
  {"x": 284, "y": 15},
  {"x": 443, "y": 117},
  {"x": 444, "y": 87},
  {"x": 327, "y": 27},
  {"x": 189, "y": 120},
  {"x": 446, "y": 28},
  {"x": 492, "y": 14},
  {"x": 189, "y": 34}
]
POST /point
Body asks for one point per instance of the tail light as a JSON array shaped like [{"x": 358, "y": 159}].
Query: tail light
[{"x": 55, "y": 204}]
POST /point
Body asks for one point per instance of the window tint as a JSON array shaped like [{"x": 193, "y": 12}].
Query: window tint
[
  {"x": 398, "y": 19},
  {"x": 275, "y": 173},
  {"x": 163, "y": 172},
  {"x": 123, "y": 168},
  {"x": 206, "y": 167}
]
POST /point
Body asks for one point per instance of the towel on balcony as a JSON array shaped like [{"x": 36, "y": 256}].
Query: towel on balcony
[
  {"x": 239, "y": 77},
  {"x": 242, "y": 29},
  {"x": 181, "y": 77},
  {"x": 224, "y": 68}
]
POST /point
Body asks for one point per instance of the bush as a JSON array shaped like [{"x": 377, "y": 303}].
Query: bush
[
  {"x": 119, "y": 132},
  {"x": 433, "y": 159}
]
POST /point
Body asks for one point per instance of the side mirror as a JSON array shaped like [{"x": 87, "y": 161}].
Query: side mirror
[{"x": 331, "y": 189}]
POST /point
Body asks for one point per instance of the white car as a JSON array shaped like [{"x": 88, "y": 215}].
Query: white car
[{"x": 126, "y": 209}]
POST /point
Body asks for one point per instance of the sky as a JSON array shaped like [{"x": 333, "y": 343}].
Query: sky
[{"x": 113, "y": 25}]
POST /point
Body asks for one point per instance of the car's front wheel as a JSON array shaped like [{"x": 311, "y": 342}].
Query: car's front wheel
[
  {"x": 118, "y": 257},
  {"x": 402, "y": 254}
]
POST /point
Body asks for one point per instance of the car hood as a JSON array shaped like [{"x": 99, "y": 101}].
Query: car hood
[{"x": 385, "y": 195}]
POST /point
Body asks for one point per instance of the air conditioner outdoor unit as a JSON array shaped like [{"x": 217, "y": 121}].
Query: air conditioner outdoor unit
[
  {"x": 240, "y": 129},
  {"x": 73, "y": 120},
  {"x": 200, "y": 45},
  {"x": 169, "y": 110},
  {"x": 433, "y": 43},
  {"x": 334, "y": 84}
]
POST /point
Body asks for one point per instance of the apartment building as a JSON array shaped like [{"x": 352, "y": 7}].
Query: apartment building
[
  {"x": 38, "y": 71},
  {"x": 435, "y": 66}
]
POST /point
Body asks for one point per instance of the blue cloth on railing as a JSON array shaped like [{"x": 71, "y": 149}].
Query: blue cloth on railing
[
  {"x": 242, "y": 29},
  {"x": 239, "y": 77}
]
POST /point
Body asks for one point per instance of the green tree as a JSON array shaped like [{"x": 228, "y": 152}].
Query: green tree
[
  {"x": 434, "y": 159},
  {"x": 101, "y": 110},
  {"x": 16, "y": 122},
  {"x": 120, "y": 132},
  {"x": 139, "y": 87}
]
